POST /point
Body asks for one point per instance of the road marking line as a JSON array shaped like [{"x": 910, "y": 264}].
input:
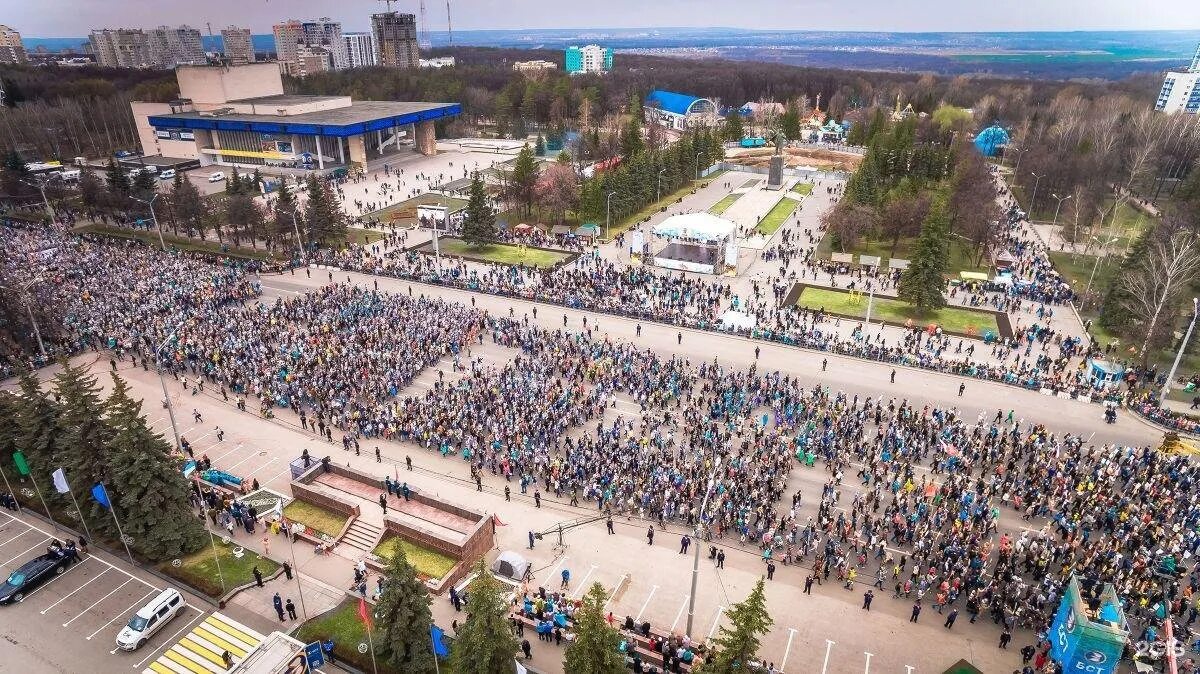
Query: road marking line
[
  {"x": 120, "y": 614},
  {"x": 96, "y": 603},
  {"x": 680, "y": 614},
  {"x": 169, "y": 642},
  {"x": 276, "y": 475},
  {"x": 226, "y": 453},
  {"x": 230, "y": 468},
  {"x": 553, "y": 569},
  {"x": 29, "y": 549},
  {"x": 646, "y": 603},
  {"x": 64, "y": 597},
  {"x": 713, "y": 629},
  {"x": 47, "y": 583},
  {"x": 583, "y": 583},
  {"x": 787, "y": 650},
  {"x": 868, "y": 667},
  {"x": 27, "y": 530}
]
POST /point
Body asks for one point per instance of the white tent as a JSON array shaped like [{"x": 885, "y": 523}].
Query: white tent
[
  {"x": 696, "y": 226},
  {"x": 737, "y": 320},
  {"x": 510, "y": 565}
]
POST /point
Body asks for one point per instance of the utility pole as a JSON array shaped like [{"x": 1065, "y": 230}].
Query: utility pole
[
  {"x": 154, "y": 217},
  {"x": 1033, "y": 200},
  {"x": 712, "y": 479},
  {"x": 608, "y": 213}
]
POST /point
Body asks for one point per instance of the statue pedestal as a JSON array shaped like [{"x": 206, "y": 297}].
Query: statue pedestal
[{"x": 775, "y": 173}]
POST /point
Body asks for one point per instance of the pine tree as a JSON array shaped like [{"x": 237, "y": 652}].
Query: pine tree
[
  {"x": 479, "y": 224},
  {"x": 632, "y": 142},
  {"x": 540, "y": 148},
  {"x": 83, "y": 436},
  {"x": 485, "y": 644},
  {"x": 234, "y": 184},
  {"x": 117, "y": 179},
  {"x": 144, "y": 184},
  {"x": 595, "y": 648},
  {"x": 405, "y": 618},
  {"x": 146, "y": 487},
  {"x": 36, "y": 427},
  {"x": 737, "y": 645},
  {"x": 732, "y": 129},
  {"x": 323, "y": 217},
  {"x": 523, "y": 178},
  {"x": 921, "y": 285},
  {"x": 285, "y": 209}
]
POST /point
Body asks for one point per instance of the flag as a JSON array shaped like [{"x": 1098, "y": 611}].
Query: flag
[
  {"x": 497, "y": 522},
  {"x": 363, "y": 613},
  {"x": 60, "y": 481},
  {"x": 440, "y": 649},
  {"x": 22, "y": 464},
  {"x": 101, "y": 495}
]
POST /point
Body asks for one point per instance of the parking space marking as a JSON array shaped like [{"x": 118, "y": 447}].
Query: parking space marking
[
  {"x": 646, "y": 603},
  {"x": 682, "y": 608},
  {"x": 27, "y": 530},
  {"x": 787, "y": 650},
  {"x": 169, "y": 642},
  {"x": 583, "y": 583},
  {"x": 230, "y": 468},
  {"x": 239, "y": 446},
  {"x": 554, "y": 569},
  {"x": 66, "y": 596},
  {"x": 120, "y": 614},
  {"x": 276, "y": 476},
  {"x": 27, "y": 550},
  {"x": 97, "y": 603},
  {"x": 713, "y": 629}
]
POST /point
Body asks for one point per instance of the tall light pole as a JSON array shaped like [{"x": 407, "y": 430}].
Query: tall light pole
[
  {"x": 658, "y": 196},
  {"x": 150, "y": 202},
  {"x": 1032, "y": 201},
  {"x": 1166, "y": 389},
  {"x": 1056, "y": 208},
  {"x": 608, "y": 213},
  {"x": 163, "y": 382},
  {"x": 296, "y": 227},
  {"x": 696, "y": 172},
  {"x": 712, "y": 479},
  {"x": 23, "y": 293},
  {"x": 1100, "y": 255},
  {"x": 41, "y": 188}
]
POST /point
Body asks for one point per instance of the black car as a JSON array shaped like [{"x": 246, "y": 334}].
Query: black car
[{"x": 30, "y": 575}]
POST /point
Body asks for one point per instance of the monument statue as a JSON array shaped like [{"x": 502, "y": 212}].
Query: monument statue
[{"x": 775, "y": 168}]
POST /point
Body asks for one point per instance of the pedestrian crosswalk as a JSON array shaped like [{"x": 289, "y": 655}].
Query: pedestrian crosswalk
[{"x": 201, "y": 651}]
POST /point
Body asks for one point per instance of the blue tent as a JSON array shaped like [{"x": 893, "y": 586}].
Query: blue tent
[{"x": 990, "y": 140}]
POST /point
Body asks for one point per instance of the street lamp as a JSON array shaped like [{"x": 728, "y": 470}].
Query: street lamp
[
  {"x": 22, "y": 292},
  {"x": 1183, "y": 345},
  {"x": 658, "y": 196},
  {"x": 1060, "y": 201},
  {"x": 608, "y": 213},
  {"x": 41, "y": 188},
  {"x": 163, "y": 382},
  {"x": 696, "y": 172},
  {"x": 296, "y": 227},
  {"x": 1032, "y": 201},
  {"x": 1100, "y": 255},
  {"x": 150, "y": 202},
  {"x": 712, "y": 479}
]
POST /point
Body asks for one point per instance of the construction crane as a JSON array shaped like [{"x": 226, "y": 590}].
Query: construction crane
[
  {"x": 423, "y": 31},
  {"x": 388, "y": 3},
  {"x": 567, "y": 526},
  {"x": 449, "y": 27}
]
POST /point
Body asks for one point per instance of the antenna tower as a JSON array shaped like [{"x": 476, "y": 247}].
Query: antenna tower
[
  {"x": 449, "y": 26},
  {"x": 423, "y": 30}
]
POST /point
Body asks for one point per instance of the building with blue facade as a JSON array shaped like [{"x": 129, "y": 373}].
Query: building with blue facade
[
  {"x": 590, "y": 58},
  {"x": 1180, "y": 91},
  {"x": 679, "y": 111}
]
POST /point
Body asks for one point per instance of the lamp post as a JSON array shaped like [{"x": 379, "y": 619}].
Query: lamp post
[
  {"x": 658, "y": 194},
  {"x": 1101, "y": 254},
  {"x": 296, "y": 568},
  {"x": 296, "y": 228},
  {"x": 37, "y": 333},
  {"x": 712, "y": 479},
  {"x": 163, "y": 382},
  {"x": 41, "y": 188},
  {"x": 696, "y": 172},
  {"x": 1060, "y": 200},
  {"x": 608, "y": 213},
  {"x": 150, "y": 202},
  {"x": 1033, "y": 200},
  {"x": 1183, "y": 345}
]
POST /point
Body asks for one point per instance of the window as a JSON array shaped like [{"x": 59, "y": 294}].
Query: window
[
  {"x": 17, "y": 579},
  {"x": 137, "y": 623}
]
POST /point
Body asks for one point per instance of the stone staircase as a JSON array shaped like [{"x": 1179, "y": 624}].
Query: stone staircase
[{"x": 363, "y": 536}]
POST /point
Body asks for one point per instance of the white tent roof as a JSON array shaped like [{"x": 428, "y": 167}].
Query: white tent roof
[
  {"x": 511, "y": 565},
  {"x": 737, "y": 320},
  {"x": 700, "y": 226}
]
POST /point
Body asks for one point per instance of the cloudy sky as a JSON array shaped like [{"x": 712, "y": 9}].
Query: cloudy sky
[{"x": 70, "y": 18}]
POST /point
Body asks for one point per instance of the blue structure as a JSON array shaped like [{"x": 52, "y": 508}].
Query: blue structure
[
  {"x": 678, "y": 111},
  {"x": 1081, "y": 643},
  {"x": 757, "y": 141},
  {"x": 990, "y": 140}
]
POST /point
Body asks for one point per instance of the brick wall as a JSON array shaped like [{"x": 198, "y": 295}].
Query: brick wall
[{"x": 308, "y": 494}]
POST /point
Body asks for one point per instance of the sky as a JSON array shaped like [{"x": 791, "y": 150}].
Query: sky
[{"x": 72, "y": 18}]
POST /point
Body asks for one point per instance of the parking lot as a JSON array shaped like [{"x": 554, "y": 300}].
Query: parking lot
[{"x": 71, "y": 622}]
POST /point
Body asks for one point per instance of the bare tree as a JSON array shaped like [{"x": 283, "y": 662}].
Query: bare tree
[{"x": 1171, "y": 264}]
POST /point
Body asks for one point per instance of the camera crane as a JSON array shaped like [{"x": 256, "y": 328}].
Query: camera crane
[{"x": 562, "y": 527}]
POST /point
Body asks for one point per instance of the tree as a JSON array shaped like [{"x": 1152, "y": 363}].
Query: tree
[
  {"x": 146, "y": 487},
  {"x": 902, "y": 217},
  {"x": 37, "y": 427},
  {"x": 595, "y": 649},
  {"x": 282, "y": 226},
  {"x": 91, "y": 190},
  {"x": 922, "y": 283},
  {"x": 405, "y": 617},
  {"x": 83, "y": 435},
  {"x": 234, "y": 185},
  {"x": 242, "y": 213},
  {"x": 540, "y": 148},
  {"x": 847, "y": 223},
  {"x": 1151, "y": 293},
  {"x": 736, "y": 645},
  {"x": 117, "y": 180},
  {"x": 974, "y": 213},
  {"x": 189, "y": 207},
  {"x": 789, "y": 121},
  {"x": 15, "y": 178},
  {"x": 558, "y": 191},
  {"x": 522, "y": 179},
  {"x": 323, "y": 218},
  {"x": 732, "y": 128},
  {"x": 144, "y": 184},
  {"x": 632, "y": 142},
  {"x": 485, "y": 644},
  {"x": 479, "y": 223}
]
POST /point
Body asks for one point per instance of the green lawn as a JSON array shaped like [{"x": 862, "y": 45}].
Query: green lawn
[
  {"x": 803, "y": 189},
  {"x": 724, "y": 204},
  {"x": 362, "y": 237},
  {"x": 750, "y": 183},
  {"x": 199, "y": 569},
  {"x": 953, "y": 319},
  {"x": 176, "y": 242},
  {"x": 778, "y": 214},
  {"x": 321, "y": 519},
  {"x": 427, "y": 562},
  {"x": 405, "y": 212},
  {"x": 346, "y": 629},
  {"x": 502, "y": 253}
]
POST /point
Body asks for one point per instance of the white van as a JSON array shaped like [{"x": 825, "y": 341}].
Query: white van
[
  {"x": 70, "y": 175},
  {"x": 167, "y": 174},
  {"x": 150, "y": 619},
  {"x": 216, "y": 177}
]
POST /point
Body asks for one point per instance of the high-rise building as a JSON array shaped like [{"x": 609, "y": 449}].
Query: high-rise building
[
  {"x": 1181, "y": 90},
  {"x": 1196, "y": 61},
  {"x": 161, "y": 47},
  {"x": 287, "y": 40},
  {"x": 11, "y": 48},
  {"x": 322, "y": 33},
  {"x": 312, "y": 60},
  {"x": 238, "y": 46},
  {"x": 174, "y": 46},
  {"x": 360, "y": 48},
  {"x": 396, "y": 39},
  {"x": 590, "y": 58}
]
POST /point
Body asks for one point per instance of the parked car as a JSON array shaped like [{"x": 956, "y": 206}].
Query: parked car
[
  {"x": 31, "y": 575},
  {"x": 216, "y": 177},
  {"x": 150, "y": 619},
  {"x": 167, "y": 174}
]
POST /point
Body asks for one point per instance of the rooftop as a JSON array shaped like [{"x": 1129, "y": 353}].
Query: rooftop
[
  {"x": 680, "y": 104},
  {"x": 285, "y": 99},
  {"x": 356, "y": 118}
]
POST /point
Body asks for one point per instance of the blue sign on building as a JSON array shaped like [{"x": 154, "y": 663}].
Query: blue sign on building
[
  {"x": 1084, "y": 644},
  {"x": 314, "y": 654}
]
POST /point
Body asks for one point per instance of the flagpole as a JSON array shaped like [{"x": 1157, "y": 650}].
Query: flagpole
[
  {"x": 10, "y": 489},
  {"x": 80, "y": 511},
  {"x": 49, "y": 515},
  {"x": 216, "y": 558},
  {"x": 433, "y": 647},
  {"x": 371, "y": 645},
  {"x": 112, "y": 508}
]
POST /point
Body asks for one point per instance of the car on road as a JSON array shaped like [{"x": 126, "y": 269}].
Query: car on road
[
  {"x": 31, "y": 575},
  {"x": 216, "y": 177},
  {"x": 150, "y": 619},
  {"x": 167, "y": 174}
]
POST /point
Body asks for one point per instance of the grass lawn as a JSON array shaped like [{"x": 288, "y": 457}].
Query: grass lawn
[
  {"x": 502, "y": 253},
  {"x": 724, "y": 204},
  {"x": 750, "y": 183},
  {"x": 177, "y": 242},
  {"x": 405, "y": 212},
  {"x": 803, "y": 189},
  {"x": 321, "y": 519},
  {"x": 199, "y": 569},
  {"x": 346, "y": 629},
  {"x": 427, "y": 562},
  {"x": 961, "y": 257},
  {"x": 954, "y": 319},
  {"x": 779, "y": 213},
  {"x": 362, "y": 237}
]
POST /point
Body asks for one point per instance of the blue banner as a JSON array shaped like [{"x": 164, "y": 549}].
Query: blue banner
[
  {"x": 101, "y": 495},
  {"x": 1081, "y": 644}
]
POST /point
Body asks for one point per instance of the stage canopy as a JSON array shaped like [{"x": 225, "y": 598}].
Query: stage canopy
[{"x": 696, "y": 227}]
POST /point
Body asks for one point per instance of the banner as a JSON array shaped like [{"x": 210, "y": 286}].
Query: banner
[
  {"x": 22, "y": 465},
  {"x": 101, "y": 495},
  {"x": 1081, "y": 644},
  {"x": 363, "y": 613},
  {"x": 60, "y": 481}
]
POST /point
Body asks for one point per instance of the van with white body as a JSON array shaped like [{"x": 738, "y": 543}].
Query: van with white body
[
  {"x": 216, "y": 177},
  {"x": 167, "y": 174},
  {"x": 70, "y": 175},
  {"x": 150, "y": 619}
]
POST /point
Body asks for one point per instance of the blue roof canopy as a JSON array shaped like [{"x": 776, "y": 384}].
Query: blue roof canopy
[
  {"x": 670, "y": 101},
  {"x": 990, "y": 140}
]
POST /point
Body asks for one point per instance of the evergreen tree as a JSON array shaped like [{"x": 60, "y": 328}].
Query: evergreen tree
[
  {"x": 188, "y": 206},
  {"x": 82, "y": 439},
  {"x": 37, "y": 428},
  {"x": 737, "y": 645},
  {"x": 540, "y": 148},
  {"x": 144, "y": 184},
  {"x": 522, "y": 179},
  {"x": 789, "y": 121},
  {"x": 485, "y": 644},
  {"x": 323, "y": 218},
  {"x": 921, "y": 285},
  {"x": 91, "y": 191},
  {"x": 234, "y": 185},
  {"x": 282, "y": 225},
  {"x": 117, "y": 179},
  {"x": 147, "y": 489},
  {"x": 632, "y": 142},
  {"x": 595, "y": 648},
  {"x": 479, "y": 224},
  {"x": 1113, "y": 315},
  {"x": 732, "y": 128},
  {"x": 405, "y": 617},
  {"x": 15, "y": 176}
]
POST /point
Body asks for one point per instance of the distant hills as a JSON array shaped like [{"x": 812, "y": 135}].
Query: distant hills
[{"x": 1053, "y": 55}]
